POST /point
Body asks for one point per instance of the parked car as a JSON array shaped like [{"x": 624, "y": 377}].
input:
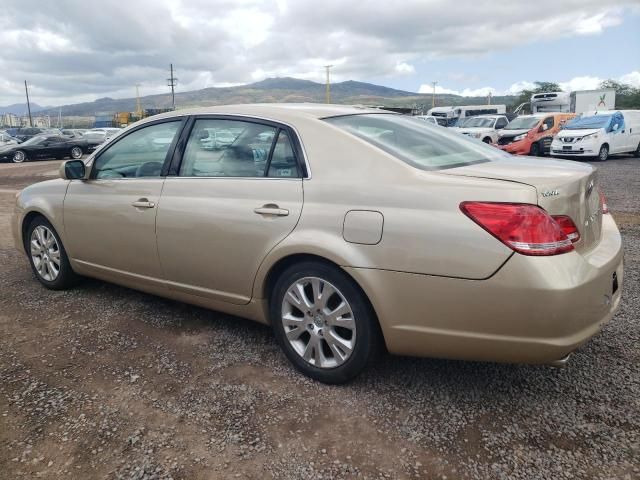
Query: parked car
[
  {"x": 72, "y": 132},
  {"x": 598, "y": 136},
  {"x": 97, "y": 136},
  {"x": 353, "y": 230},
  {"x": 216, "y": 139},
  {"x": 42, "y": 147},
  {"x": 25, "y": 133},
  {"x": 483, "y": 127},
  {"x": 13, "y": 131},
  {"x": 433, "y": 120},
  {"x": 532, "y": 134},
  {"x": 6, "y": 139}
]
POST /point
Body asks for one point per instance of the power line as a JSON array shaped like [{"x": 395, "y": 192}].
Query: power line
[{"x": 172, "y": 82}]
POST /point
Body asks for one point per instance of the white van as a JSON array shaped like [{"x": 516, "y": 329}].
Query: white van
[
  {"x": 452, "y": 114},
  {"x": 599, "y": 135}
]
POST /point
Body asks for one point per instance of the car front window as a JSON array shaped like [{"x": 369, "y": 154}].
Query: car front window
[
  {"x": 414, "y": 142},
  {"x": 141, "y": 153},
  {"x": 35, "y": 140},
  {"x": 522, "y": 123}
]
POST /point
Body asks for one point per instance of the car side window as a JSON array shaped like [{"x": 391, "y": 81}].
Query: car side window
[
  {"x": 283, "y": 160},
  {"x": 501, "y": 123},
  {"x": 227, "y": 148},
  {"x": 139, "y": 154},
  {"x": 548, "y": 122}
]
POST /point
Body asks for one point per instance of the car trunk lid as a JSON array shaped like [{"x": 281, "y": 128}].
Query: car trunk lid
[{"x": 563, "y": 188}]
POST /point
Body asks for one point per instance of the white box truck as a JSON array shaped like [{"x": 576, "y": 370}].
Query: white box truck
[
  {"x": 579, "y": 101},
  {"x": 592, "y": 100}
]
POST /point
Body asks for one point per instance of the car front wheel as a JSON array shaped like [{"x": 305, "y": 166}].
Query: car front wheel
[
  {"x": 323, "y": 322},
  {"x": 47, "y": 256},
  {"x": 603, "y": 154},
  {"x": 19, "y": 157}
]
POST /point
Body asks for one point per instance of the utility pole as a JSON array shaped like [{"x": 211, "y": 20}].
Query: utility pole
[
  {"x": 172, "y": 82},
  {"x": 26, "y": 90},
  {"x": 328, "y": 91},
  {"x": 433, "y": 95},
  {"x": 139, "y": 111},
  {"x": 489, "y": 98}
]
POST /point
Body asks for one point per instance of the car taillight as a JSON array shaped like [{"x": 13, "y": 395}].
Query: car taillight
[
  {"x": 525, "y": 228},
  {"x": 603, "y": 202},
  {"x": 568, "y": 227}
]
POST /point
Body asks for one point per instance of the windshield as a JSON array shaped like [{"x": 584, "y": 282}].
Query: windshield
[
  {"x": 416, "y": 142},
  {"x": 35, "y": 140},
  {"x": 521, "y": 123},
  {"x": 584, "y": 123},
  {"x": 477, "y": 123}
]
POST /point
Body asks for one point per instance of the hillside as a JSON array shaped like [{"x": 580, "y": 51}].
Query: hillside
[{"x": 275, "y": 90}]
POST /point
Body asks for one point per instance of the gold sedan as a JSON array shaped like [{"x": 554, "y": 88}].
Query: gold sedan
[{"x": 348, "y": 230}]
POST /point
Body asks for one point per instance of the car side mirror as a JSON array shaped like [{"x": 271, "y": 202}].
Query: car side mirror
[
  {"x": 73, "y": 170},
  {"x": 615, "y": 127}
]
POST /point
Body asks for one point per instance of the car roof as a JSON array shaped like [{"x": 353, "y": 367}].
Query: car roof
[{"x": 285, "y": 112}]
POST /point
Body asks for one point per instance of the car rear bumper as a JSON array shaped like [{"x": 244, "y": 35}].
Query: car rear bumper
[{"x": 533, "y": 310}]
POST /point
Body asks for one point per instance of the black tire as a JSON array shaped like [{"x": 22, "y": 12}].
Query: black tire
[
  {"x": 19, "y": 156},
  {"x": 487, "y": 140},
  {"x": 535, "y": 150},
  {"x": 66, "y": 277},
  {"x": 637, "y": 152},
  {"x": 603, "y": 153},
  {"x": 368, "y": 343}
]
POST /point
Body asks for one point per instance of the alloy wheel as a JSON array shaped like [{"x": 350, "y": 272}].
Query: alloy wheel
[
  {"x": 18, "y": 157},
  {"x": 76, "y": 152},
  {"x": 318, "y": 322},
  {"x": 45, "y": 253},
  {"x": 604, "y": 153}
]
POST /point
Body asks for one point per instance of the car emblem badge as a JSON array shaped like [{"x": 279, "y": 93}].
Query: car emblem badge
[{"x": 551, "y": 193}]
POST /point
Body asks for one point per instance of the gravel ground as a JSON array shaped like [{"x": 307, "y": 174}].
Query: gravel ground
[{"x": 106, "y": 382}]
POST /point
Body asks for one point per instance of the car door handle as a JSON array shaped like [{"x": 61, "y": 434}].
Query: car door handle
[
  {"x": 143, "y": 203},
  {"x": 271, "y": 210}
]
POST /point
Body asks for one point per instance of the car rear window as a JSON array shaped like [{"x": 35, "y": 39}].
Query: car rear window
[{"x": 416, "y": 142}]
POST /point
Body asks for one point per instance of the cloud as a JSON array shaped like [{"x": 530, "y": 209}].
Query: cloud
[
  {"x": 73, "y": 51},
  {"x": 577, "y": 83}
]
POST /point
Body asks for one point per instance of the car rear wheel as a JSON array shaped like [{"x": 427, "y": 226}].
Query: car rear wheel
[
  {"x": 603, "y": 154},
  {"x": 19, "y": 157},
  {"x": 76, "y": 153},
  {"x": 637, "y": 152},
  {"x": 323, "y": 323},
  {"x": 486, "y": 140},
  {"x": 47, "y": 256}
]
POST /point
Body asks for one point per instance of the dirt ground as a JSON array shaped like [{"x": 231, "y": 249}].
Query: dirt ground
[{"x": 106, "y": 382}]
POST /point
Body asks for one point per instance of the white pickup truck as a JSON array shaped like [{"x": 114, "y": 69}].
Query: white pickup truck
[{"x": 482, "y": 127}]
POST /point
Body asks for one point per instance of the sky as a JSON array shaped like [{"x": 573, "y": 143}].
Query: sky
[{"x": 75, "y": 50}]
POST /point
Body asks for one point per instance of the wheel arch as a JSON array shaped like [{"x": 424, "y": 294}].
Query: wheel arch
[
  {"x": 26, "y": 221},
  {"x": 266, "y": 287}
]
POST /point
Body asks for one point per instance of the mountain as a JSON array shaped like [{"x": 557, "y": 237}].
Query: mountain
[
  {"x": 274, "y": 90},
  {"x": 21, "y": 108}
]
